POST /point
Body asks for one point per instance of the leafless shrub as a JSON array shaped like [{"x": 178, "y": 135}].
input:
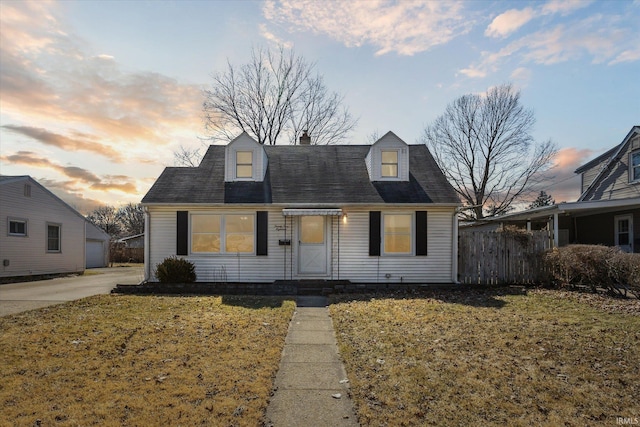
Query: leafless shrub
[{"x": 594, "y": 267}]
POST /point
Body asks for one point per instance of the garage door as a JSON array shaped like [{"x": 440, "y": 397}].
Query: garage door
[{"x": 95, "y": 254}]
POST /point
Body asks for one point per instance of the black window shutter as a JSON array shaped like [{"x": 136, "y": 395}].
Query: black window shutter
[
  {"x": 421, "y": 233},
  {"x": 182, "y": 233},
  {"x": 374, "y": 233},
  {"x": 262, "y": 227}
]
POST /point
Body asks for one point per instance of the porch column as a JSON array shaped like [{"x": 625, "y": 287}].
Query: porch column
[{"x": 556, "y": 231}]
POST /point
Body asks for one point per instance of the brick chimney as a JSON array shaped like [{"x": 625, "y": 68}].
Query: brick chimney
[{"x": 305, "y": 139}]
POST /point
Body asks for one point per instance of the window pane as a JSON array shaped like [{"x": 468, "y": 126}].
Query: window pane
[
  {"x": 623, "y": 239},
  {"x": 244, "y": 171},
  {"x": 397, "y": 243},
  {"x": 240, "y": 243},
  {"x": 17, "y": 227},
  {"x": 397, "y": 224},
  {"x": 623, "y": 226},
  {"x": 390, "y": 157},
  {"x": 53, "y": 238},
  {"x": 239, "y": 223},
  {"x": 205, "y": 242},
  {"x": 389, "y": 170},
  {"x": 635, "y": 165},
  {"x": 311, "y": 229},
  {"x": 205, "y": 223},
  {"x": 244, "y": 157}
]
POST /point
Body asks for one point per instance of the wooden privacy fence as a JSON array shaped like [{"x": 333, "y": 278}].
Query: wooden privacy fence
[{"x": 501, "y": 257}]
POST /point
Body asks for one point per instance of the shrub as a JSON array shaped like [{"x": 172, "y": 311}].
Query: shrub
[
  {"x": 594, "y": 267},
  {"x": 175, "y": 270}
]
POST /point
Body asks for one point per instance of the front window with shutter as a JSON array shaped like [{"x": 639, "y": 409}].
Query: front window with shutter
[
  {"x": 223, "y": 233},
  {"x": 397, "y": 233}
]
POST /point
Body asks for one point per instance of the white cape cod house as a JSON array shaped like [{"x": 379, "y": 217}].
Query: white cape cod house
[{"x": 381, "y": 213}]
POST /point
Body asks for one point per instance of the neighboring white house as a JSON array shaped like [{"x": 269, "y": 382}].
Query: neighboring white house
[
  {"x": 97, "y": 246},
  {"x": 39, "y": 233},
  {"x": 251, "y": 213}
]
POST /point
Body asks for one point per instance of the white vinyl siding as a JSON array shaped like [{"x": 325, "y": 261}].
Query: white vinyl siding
[
  {"x": 28, "y": 255},
  {"x": 348, "y": 240},
  {"x": 230, "y": 267},
  {"x": 357, "y": 266}
]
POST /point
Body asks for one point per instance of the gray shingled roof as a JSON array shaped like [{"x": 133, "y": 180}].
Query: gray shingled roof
[{"x": 321, "y": 174}]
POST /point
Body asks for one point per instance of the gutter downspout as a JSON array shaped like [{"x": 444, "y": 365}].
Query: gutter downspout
[
  {"x": 454, "y": 252},
  {"x": 147, "y": 245}
]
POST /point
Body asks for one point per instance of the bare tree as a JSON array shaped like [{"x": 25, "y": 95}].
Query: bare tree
[
  {"x": 186, "y": 156},
  {"x": 483, "y": 144},
  {"x": 106, "y": 218},
  {"x": 274, "y": 97},
  {"x": 131, "y": 218}
]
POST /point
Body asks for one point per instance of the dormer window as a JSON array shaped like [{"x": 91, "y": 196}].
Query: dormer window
[
  {"x": 245, "y": 160},
  {"x": 634, "y": 166},
  {"x": 389, "y": 164},
  {"x": 244, "y": 164},
  {"x": 388, "y": 159}
]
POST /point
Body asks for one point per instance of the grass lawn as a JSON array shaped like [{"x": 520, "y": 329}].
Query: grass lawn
[
  {"x": 491, "y": 358},
  {"x": 132, "y": 360}
]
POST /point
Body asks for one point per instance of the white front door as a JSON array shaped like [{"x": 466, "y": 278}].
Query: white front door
[
  {"x": 624, "y": 232},
  {"x": 312, "y": 245}
]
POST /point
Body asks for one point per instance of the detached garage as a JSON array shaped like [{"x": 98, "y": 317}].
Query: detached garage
[{"x": 97, "y": 246}]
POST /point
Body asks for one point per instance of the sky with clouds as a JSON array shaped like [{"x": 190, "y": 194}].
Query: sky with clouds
[{"x": 95, "y": 96}]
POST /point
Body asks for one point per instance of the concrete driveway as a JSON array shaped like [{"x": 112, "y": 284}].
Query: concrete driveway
[{"x": 18, "y": 297}]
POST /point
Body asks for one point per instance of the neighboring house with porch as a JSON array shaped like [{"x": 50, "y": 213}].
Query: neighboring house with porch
[
  {"x": 608, "y": 209},
  {"x": 252, "y": 213},
  {"x": 39, "y": 233}
]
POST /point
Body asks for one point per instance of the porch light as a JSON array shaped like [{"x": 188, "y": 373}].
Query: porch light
[{"x": 344, "y": 217}]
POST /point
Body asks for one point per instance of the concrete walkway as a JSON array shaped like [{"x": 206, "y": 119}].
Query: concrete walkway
[{"x": 311, "y": 387}]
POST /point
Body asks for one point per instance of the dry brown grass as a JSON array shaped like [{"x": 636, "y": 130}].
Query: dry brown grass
[
  {"x": 490, "y": 358},
  {"x": 128, "y": 360}
]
